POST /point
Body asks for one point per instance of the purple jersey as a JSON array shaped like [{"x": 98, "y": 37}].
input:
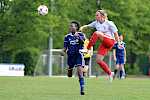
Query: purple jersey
[
  {"x": 74, "y": 43},
  {"x": 119, "y": 49}
]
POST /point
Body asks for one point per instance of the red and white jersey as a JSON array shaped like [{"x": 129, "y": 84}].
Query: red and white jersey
[{"x": 107, "y": 27}]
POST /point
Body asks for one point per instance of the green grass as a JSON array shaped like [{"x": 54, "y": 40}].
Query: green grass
[{"x": 46, "y": 88}]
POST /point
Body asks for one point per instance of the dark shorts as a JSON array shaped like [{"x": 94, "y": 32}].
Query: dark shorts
[
  {"x": 120, "y": 60},
  {"x": 75, "y": 60}
]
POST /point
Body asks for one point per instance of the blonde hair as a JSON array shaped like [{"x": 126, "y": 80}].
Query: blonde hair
[{"x": 102, "y": 12}]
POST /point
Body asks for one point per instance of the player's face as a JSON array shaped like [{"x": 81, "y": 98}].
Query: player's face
[
  {"x": 73, "y": 27},
  {"x": 100, "y": 17},
  {"x": 121, "y": 37}
]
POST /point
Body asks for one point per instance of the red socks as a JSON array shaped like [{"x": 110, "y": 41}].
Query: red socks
[
  {"x": 102, "y": 64},
  {"x": 105, "y": 67},
  {"x": 93, "y": 40}
]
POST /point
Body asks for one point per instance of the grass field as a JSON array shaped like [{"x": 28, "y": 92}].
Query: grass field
[{"x": 46, "y": 88}]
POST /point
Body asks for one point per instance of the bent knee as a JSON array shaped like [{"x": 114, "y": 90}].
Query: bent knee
[{"x": 99, "y": 33}]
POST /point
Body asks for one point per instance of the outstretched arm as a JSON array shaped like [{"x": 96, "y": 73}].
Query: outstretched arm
[
  {"x": 83, "y": 27},
  {"x": 114, "y": 54},
  {"x": 117, "y": 37}
]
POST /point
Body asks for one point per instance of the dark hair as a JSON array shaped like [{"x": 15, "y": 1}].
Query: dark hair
[
  {"x": 119, "y": 33},
  {"x": 76, "y": 23}
]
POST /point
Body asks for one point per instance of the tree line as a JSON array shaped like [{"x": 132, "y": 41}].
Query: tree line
[{"x": 25, "y": 33}]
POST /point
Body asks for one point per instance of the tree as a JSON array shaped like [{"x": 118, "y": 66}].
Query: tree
[{"x": 21, "y": 27}]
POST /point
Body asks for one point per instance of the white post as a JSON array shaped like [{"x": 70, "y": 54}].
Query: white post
[
  {"x": 50, "y": 53},
  {"x": 50, "y": 56},
  {"x": 110, "y": 59},
  {"x": 62, "y": 64},
  {"x": 90, "y": 66}
]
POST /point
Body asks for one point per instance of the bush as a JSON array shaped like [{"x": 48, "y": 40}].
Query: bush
[
  {"x": 28, "y": 57},
  {"x": 134, "y": 71}
]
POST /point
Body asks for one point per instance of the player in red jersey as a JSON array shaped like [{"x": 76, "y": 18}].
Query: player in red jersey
[{"x": 107, "y": 32}]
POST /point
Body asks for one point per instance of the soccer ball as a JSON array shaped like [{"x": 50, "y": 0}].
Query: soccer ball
[{"x": 42, "y": 10}]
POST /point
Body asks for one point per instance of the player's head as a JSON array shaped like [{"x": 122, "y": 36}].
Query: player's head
[
  {"x": 120, "y": 36},
  {"x": 74, "y": 26},
  {"x": 101, "y": 15}
]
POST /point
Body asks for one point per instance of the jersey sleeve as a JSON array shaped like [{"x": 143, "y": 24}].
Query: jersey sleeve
[
  {"x": 92, "y": 25},
  {"x": 113, "y": 27}
]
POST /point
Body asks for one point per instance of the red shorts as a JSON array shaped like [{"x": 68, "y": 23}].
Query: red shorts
[{"x": 105, "y": 46}]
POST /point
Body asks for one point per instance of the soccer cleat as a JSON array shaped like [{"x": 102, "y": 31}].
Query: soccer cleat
[
  {"x": 83, "y": 50},
  {"x": 69, "y": 74},
  {"x": 122, "y": 77},
  {"x": 110, "y": 77},
  {"x": 82, "y": 93}
]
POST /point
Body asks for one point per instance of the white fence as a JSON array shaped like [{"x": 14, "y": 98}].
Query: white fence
[{"x": 59, "y": 64}]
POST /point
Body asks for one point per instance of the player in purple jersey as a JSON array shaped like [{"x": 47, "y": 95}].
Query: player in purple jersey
[
  {"x": 119, "y": 54},
  {"x": 73, "y": 43}
]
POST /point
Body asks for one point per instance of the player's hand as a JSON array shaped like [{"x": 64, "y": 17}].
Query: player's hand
[
  {"x": 64, "y": 51},
  {"x": 81, "y": 28},
  {"x": 76, "y": 34}
]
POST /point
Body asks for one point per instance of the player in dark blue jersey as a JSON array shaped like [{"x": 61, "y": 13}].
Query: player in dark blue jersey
[
  {"x": 119, "y": 54},
  {"x": 73, "y": 43}
]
